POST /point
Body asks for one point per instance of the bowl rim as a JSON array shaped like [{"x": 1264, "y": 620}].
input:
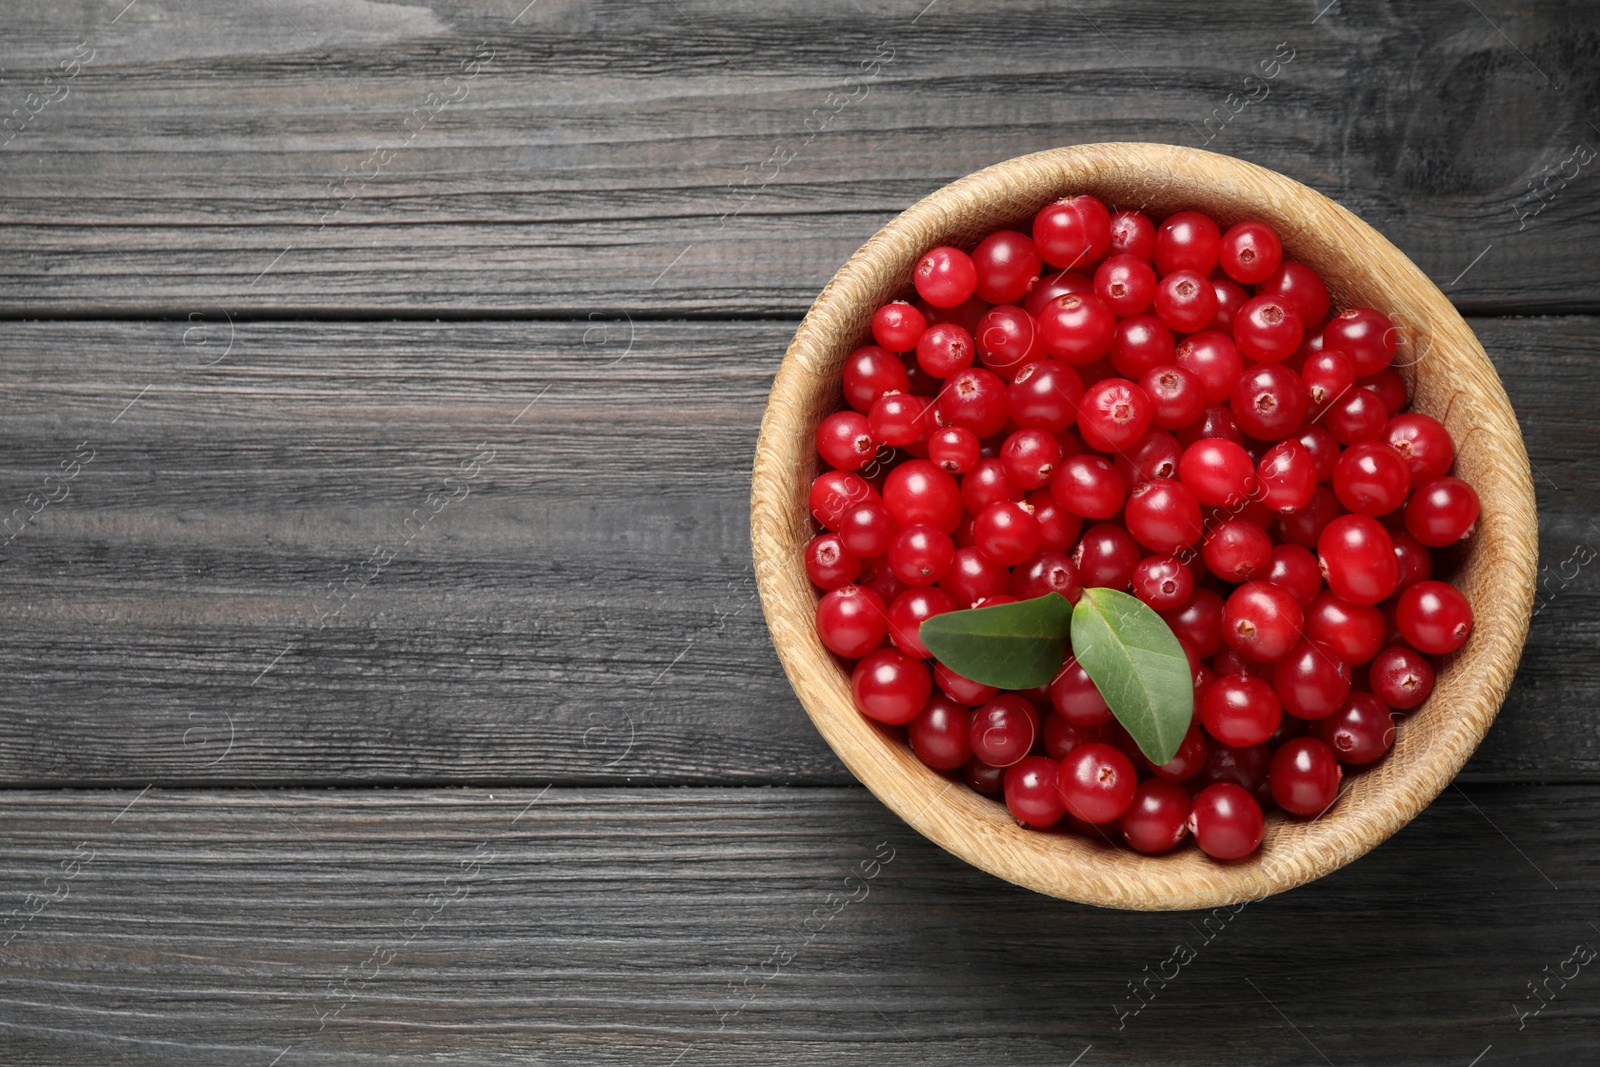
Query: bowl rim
[{"x": 1460, "y": 387}]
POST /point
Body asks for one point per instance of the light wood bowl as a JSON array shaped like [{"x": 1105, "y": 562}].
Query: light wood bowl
[{"x": 1450, "y": 378}]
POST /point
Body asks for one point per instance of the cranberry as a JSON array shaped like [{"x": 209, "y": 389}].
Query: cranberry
[
  {"x": 1141, "y": 343},
  {"x": 1133, "y": 234},
  {"x": 1177, "y": 396},
  {"x": 1294, "y": 568},
  {"x": 897, "y": 326},
  {"x": 1155, "y": 455},
  {"x": 953, "y": 449},
  {"x": 1237, "y": 551},
  {"x": 1077, "y": 328},
  {"x": 1422, "y": 442},
  {"x": 1389, "y": 387},
  {"x": 1190, "y": 759},
  {"x": 944, "y": 349},
  {"x": 829, "y": 564},
  {"x": 1185, "y": 301},
  {"x": 1217, "y": 472},
  {"x": 867, "y": 529},
  {"x": 1007, "y": 265},
  {"x": 1226, "y": 822},
  {"x": 876, "y": 576},
  {"x": 1096, "y": 782},
  {"x": 851, "y": 621},
  {"x": 1072, "y": 232},
  {"x": 1089, "y": 486},
  {"x": 1003, "y": 730},
  {"x": 1199, "y": 622},
  {"x": 1323, "y": 448},
  {"x": 973, "y": 576},
  {"x": 974, "y": 398},
  {"x": 1031, "y": 793},
  {"x": 1434, "y": 617},
  {"x": 1366, "y": 335},
  {"x": 1401, "y": 677},
  {"x": 1062, "y": 736},
  {"x": 1354, "y": 632},
  {"x": 1240, "y": 710},
  {"x": 1269, "y": 402},
  {"x": 1157, "y": 819},
  {"x": 1215, "y": 360},
  {"x": 890, "y": 686},
  {"x": 1327, "y": 375},
  {"x": 1113, "y": 414},
  {"x": 938, "y": 734},
  {"x": 1362, "y": 731},
  {"x": 921, "y": 555},
  {"x": 1261, "y": 621},
  {"x": 908, "y": 612},
  {"x": 1357, "y": 559},
  {"x": 1075, "y": 698},
  {"x": 1163, "y": 516},
  {"x": 896, "y": 419},
  {"x": 1058, "y": 527},
  {"x": 945, "y": 277},
  {"x": 982, "y": 777},
  {"x": 986, "y": 483},
  {"x": 1358, "y": 415},
  {"x": 960, "y": 689},
  {"x": 918, "y": 493},
  {"x": 1250, "y": 252},
  {"x": 844, "y": 440},
  {"x": 1442, "y": 512},
  {"x": 1230, "y": 298},
  {"x": 1044, "y": 396},
  {"x": 1187, "y": 240},
  {"x": 1304, "y": 526},
  {"x": 1162, "y": 582},
  {"x": 1267, "y": 329},
  {"x": 1288, "y": 476},
  {"x": 871, "y": 372},
  {"x": 1311, "y": 681},
  {"x": 1371, "y": 478},
  {"x": 1106, "y": 556},
  {"x": 1244, "y": 767},
  {"x": 1006, "y": 532},
  {"x": 1051, "y": 287},
  {"x": 1218, "y": 422},
  {"x": 1126, "y": 283},
  {"x": 1304, "y": 776},
  {"x": 1044, "y": 572},
  {"x": 1299, "y": 286},
  {"x": 1007, "y": 340},
  {"x": 1416, "y": 562},
  {"x": 1030, "y": 458}
]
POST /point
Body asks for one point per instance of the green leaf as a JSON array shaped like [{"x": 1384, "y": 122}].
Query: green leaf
[
  {"x": 1013, "y": 646},
  {"x": 1137, "y": 664}
]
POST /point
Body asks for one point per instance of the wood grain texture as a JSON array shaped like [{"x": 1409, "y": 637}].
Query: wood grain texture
[
  {"x": 681, "y": 156},
  {"x": 647, "y": 926},
  {"x": 597, "y": 575},
  {"x": 1450, "y": 378}
]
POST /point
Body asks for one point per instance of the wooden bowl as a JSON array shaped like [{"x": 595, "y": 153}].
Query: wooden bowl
[{"x": 1450, "y": 378}]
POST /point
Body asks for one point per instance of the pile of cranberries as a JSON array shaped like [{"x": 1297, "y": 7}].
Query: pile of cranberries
[{"x": 1164, "y": 409}]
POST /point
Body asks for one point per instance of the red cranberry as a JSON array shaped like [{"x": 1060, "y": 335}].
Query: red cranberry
[
  {"x": 1006, "y": 532},
  {"x": 1261, "y": 621},
  {"x": 1140, "y": 344},
  {"x": 1358, "y": 415},
  {"x": 1044, "y": 396},
  {"x": 1300, "y": 286},
  {"x": 1434, "y": 617},
  {"x": 1389, "y": 386},
  {"x": 1190, "y": 759},
  {"x": 1075, "y": 698},
  {"x": 1163, "y": 516},
  {"x": 1157, "y": 819},
  {"x": 1007, "y": 265},
  {"x": 851, "y": 621},
  {"x": 897, "y": 326},
  {"x": 1215, "y": 360},
  {"x": 1003, "y": 730},
  {"x": 1357, "y": 559},
  {"x": 1217, "y": 472},
  {"x": 938, "y": 734},
  {"x": 1162, "y": 582},
  {"x": 1199, "y": 622},
  {"x": 1226, "y": 822},
  {"x": 1230, "y": 298},
  {"x": 1072, "y": 232},
  {"x": 1077, "y": 328},
  {"x": 1187, "y": 240},
  {"x": 974, "y": 398},
  {"x": 1237, "y": 551},
  {"x": 1096, "y": 782},
  {"x": 953, "y": 449},
  {"x": 1323, "y": 448},
  {"x": 987, "y": 483},
  {"x": 1030, "y": 458},
  {"x": 1371, "y": 478},
  {"x": 1288, "y": 476},
  {"x": 973, "y": 576},
  {"x": 1062, "y": 736},
  {"x": 1304, "y": 526},
  {"x": 1250, "y": 252},
  {"x": 844, "y": 440},
  {"x": 1311, "y": 681},
  {"x": 871, "y": 372},
  {"x": 1442, "y": 512},
  {"x": 1185, "y": 301},
  {"x": 1362, "y": 731},
  {"x": 1416, "y": 562},
  {"x": 945, "y": 349},
  {"x": 867, "y": 529},
  {"x": 1401, "y": 677},
  {"x": 909, "y": 610},
  {"x": 960, "y": 689},
  {"x": 1177, "y": 396},
  {"x": 1046, "y": 571},
  {"x": 918, "y": 493},
  {"x": 1240, "y": 710},
  {"x": 1353, "y": 631},
  {"x": 1006, "y": 339},
  {"x": 829, "y": 564},
  {"x": 1422, "y": 442},
  {"x": 945, "y": 277},
  {"x": 1133, "y": 234},
  {"x": 1126, "y": 283},
  {"x": 1031, "y": 793},
  {"x": 1058, "y": 527},
  {"x": 1089, "y": 486},
  {"x": 1054, "y": 285},
  {"x": 1267, "y": 329},
  {"x": 890, "y": 686},
  {"x": 1366, "y": 335},
  {"x": 921, "y": 555},
  {"x": 983, "y": 778},
  {"x": 1113, "y": 414},
  {"x": 897, "y": 419},
  {"x": 1294, "y": 568},
  {"x": 1305, "y": 776},
  {"x": 1106, "y": 556}
]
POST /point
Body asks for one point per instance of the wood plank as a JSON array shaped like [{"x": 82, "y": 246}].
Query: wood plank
[
  {"x": 642, "y": 925},
  {"x": 656, "y": 156},
  {"x": 584, "y": 613}
]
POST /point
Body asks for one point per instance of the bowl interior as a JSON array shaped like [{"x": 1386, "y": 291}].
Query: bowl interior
[{"x": 1450, "y": 378}]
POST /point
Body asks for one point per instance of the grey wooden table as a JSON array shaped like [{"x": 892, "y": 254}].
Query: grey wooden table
[{"x": 382, "y": 676}]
